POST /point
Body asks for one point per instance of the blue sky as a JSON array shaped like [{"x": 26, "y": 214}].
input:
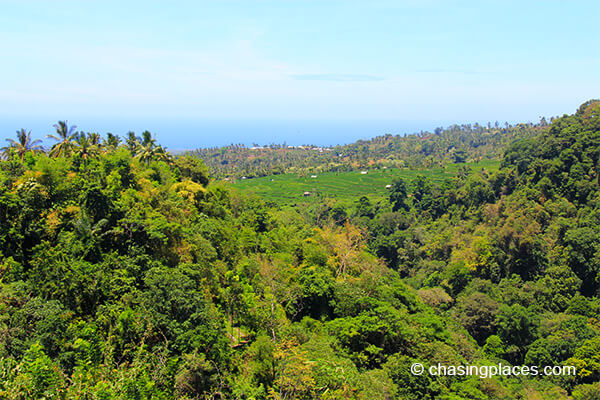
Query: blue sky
[{"x": 203, "y": 73}]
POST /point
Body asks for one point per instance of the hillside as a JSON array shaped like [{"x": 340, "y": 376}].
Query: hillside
[
  {"x": 351, "y": 185},
  {"x": 457, "y": 143},
  {"x": 128, "y": 274}
]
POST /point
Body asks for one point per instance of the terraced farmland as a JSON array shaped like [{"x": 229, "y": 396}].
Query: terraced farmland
[{"x": 290, "y": 188}]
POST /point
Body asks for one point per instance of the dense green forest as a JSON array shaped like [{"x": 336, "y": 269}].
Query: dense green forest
[
  {"x": 127, "y": 273},
  {"x": 457, "y": 143}
]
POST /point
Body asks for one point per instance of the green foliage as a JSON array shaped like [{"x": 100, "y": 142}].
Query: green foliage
[
  {"x": 587, "y": 392},
  {"x": 454, "y": 144},
  {"x": 192, "y": 168},
  {"x": 35, "y": 377},
  {"x": 477, "y": 313},
  {"x": 517, "y": 327},
  {"x": 126, "y": 273},
  {"x": 398, "y": 195}
]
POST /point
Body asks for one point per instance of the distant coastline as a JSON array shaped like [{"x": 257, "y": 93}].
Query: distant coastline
[{"x": 182, "y": 135}]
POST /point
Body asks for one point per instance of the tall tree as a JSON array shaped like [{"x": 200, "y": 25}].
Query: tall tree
[
  {"x": 133, "y": 142},
  {"x": 112, "y": 141},
  {"x": 65, "y": 135},
  {"x": 147, "y": 139},
  {"x": 398, "y": 195},
  {"x": 94, "y": 138},
  {"x": 147, "y": 150},
  {"x": 87, "y": 146},
  {"x": 22, "y": 145}
]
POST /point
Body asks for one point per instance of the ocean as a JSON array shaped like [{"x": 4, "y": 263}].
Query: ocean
[{"x": 185, "y": 134}]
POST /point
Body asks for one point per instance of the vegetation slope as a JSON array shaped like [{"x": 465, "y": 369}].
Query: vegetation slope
[
  {"x": 457, "y": 143},
  {"x": 127, "y": 274}
]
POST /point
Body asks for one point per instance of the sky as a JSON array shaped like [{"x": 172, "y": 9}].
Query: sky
[{"x": 209, "y": 73}]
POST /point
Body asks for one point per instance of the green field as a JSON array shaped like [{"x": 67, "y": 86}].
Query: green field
[{"x": 289, "y": 188}]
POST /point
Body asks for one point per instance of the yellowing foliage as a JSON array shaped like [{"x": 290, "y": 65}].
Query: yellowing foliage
[
  {"x": 476, "y": 255},
  {"x": 52, "y": 221},
  {"x": 189, "y": 190},
  {"x": 346, "y": 245}
]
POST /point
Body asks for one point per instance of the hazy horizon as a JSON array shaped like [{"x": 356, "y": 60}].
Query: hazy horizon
[{"x": 192, "y": 134}]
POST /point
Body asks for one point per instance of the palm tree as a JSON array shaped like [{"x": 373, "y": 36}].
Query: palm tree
[
  {"x": 161, "y": 154},
  {"x": 65, "y": 136},
  {"x": 94, "y": 138},
  {"x": 147, "y": 139},
  {"x": 133, "y": 142},
  {"x": 111, "y": 142},
  {"x": 86, "y": 146},
  {"x": 22, "y": 145},
  {"x": 146, "y": 150},
  {"x": 7, "y": 153},
  {"x": 145, "y": 153}
]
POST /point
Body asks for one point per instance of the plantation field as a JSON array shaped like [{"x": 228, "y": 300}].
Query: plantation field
[{"x": 290, "y": 188}]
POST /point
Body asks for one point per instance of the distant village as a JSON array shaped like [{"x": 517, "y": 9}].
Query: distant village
[{"x": 314, "y": 148}]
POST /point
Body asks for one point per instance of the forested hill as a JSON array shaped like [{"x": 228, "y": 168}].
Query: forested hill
[
  {"x": 457, "y": 143},
  {"x": 128, "y": 274}
]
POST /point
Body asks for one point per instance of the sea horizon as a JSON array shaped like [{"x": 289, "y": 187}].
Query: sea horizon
[{"x": 189, "y": 134}]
